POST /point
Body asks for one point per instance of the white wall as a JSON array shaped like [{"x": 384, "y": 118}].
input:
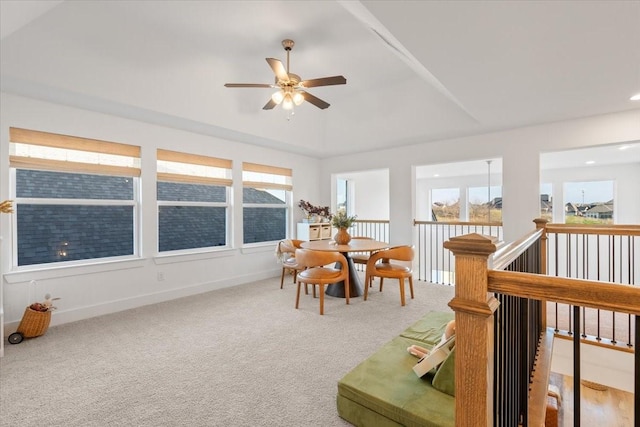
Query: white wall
[
  {"x": 106, "y": 287},
  {"x": 370, "y": 193},
  {"x": 520, "y": 152},
  {"x": 597, "y": 364}
]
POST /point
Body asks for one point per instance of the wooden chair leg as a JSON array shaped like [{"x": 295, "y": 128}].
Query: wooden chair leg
[
  {"x": 282, "y": 278},
  {"x": 314, "y": 290},
  {"x": 306, "y": 289},
  {"x": 366, "y": 288},
  {"x": 321, "y": 298},
  {"x": 401, "y": 281},
  {"x": 298, "y": 295},
  {"x": 346, "y": 289},
  {"x": 411, "y": 285},
  {"x": 381, "y": 280}
]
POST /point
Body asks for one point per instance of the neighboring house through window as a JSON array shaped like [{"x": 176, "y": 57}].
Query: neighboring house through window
[
  {"x": 75, "y": 198},
  {"x": 266, "y": 200},
  {"x": 485, "y": 204},
  {"x": 589, "y": 202},
  {"x": 193, "y": 201},
  {"x": 445, "y": 204}
]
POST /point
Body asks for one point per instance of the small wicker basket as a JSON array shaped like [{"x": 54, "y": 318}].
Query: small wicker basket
[{"x": 34, "y": 323}]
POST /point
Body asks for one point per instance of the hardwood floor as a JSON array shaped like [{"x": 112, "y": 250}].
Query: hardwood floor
[{"x": 610, "y": 407}]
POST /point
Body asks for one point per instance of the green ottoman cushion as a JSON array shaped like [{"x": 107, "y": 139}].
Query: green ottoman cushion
[
  {"x": 383, "y": 390},
  {"x": 429, "y": 329}
]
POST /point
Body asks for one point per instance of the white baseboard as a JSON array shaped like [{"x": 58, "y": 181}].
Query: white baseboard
[{"x": 60, "y": 317}]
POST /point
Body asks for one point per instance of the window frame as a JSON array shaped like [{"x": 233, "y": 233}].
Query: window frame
[
  {"x": 287, "y": 187},
  {"x": 186, "y": 179},
  {"x": 65, "y": 142}
]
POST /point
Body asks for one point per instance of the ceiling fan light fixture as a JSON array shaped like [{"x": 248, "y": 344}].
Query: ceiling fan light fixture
[
  {"x": 287, "y": 102},
  {"x": 292, "y": 89},
  {"x": 298, "y": 98},
  {"x": 277, "y": 97}
]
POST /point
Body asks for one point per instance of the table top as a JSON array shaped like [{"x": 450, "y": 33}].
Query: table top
[{"x": 355, "y": 245}]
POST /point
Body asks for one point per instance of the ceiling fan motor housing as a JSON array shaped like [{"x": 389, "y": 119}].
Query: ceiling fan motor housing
[{"x": 287, "y": 44}]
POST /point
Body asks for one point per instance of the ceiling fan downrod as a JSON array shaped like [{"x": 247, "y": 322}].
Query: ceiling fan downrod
[{"x": 288, "y": 45}]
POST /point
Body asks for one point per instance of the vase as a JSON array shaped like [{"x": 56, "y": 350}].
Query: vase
[{"x": 342, "y": 237}]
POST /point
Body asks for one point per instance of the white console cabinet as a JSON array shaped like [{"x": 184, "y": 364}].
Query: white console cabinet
[{"x": 314, "y": 231}]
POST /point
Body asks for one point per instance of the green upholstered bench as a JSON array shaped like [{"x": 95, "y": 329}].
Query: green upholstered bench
[{"x": 384, "y": 391}]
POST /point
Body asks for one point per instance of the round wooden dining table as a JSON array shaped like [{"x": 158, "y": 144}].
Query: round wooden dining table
[{"x": 356, "y": 288}]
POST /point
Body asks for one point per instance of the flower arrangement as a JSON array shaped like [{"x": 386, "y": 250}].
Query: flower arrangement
[
  {"x": 342, "y": 220},
  {"x": 310, "y": 210}
]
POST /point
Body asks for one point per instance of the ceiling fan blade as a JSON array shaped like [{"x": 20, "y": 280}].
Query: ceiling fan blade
[
  {"x": 269, "y": 105},
  {"x": 324, "y": 81},
  {"x": 315, "y": 100},
  {"x": 248, "y": 85},
  {"x": 278, "y": 69}
]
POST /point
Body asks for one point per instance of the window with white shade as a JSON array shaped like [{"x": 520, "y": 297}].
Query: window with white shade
[
  {"x": 193, "y": 194},
  {"x": 266, "y": 202},
  {"x": 76, "y": 199}
]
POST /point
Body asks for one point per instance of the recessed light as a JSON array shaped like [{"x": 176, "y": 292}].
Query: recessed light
[
  {"x": 435, "y": 175},
  {"x": 589, "y": 162},
  {"x": 635, "y": 97},
  {"x": 623, "y": 147}
]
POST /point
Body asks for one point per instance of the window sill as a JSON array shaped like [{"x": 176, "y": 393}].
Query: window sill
[
  {"x": 252, "y": 248},
  {"x": 57, "y": 271},
  {"x": 172, "y": 257}
]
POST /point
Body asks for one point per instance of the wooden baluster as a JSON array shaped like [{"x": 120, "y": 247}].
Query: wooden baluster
[{"x": 474, "y": 309}]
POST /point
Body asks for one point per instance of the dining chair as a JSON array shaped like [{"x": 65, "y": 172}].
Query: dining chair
[
  {"x": 388, "y": 269},
  {"x": 286, "y": 251},
  {"x": 360, "y": 257},
  {"x": 320, "y": 269}
]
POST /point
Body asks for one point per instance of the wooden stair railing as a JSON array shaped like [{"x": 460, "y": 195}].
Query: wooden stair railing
[
  {"x": 596, "y": 252},
  {"x": 479, "y": 275}
]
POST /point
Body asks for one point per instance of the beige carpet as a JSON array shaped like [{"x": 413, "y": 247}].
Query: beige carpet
[{"x": 241, "y": 356}]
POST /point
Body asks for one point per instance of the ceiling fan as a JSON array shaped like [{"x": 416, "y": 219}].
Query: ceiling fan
[{"x": 291, "y": 88}]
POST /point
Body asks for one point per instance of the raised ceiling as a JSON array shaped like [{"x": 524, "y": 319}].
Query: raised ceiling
[{"x": 416, "y": 71}]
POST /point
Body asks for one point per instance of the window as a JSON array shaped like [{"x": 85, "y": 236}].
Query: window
[
  {"x": 445, "y": 204},
  {"x": 342, "y": 195},
  {"x": 76, "y": 198},
  {"x": 546, "y": 201},
  {"x": 485, "y": 204},
  {"x": 589, "y": 202},
  {"x": 193, "y": 194},
  {"x": 266, "y": 200}
]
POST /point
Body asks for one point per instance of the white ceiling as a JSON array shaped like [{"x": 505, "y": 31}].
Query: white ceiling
[{"x": 416, "y": 71}]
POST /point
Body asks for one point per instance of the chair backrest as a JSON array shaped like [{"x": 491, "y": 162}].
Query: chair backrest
[
  {"x": 289, "y": 246},
  {"x": 310, "y": 258},
  {"x": 399, "y": 253}
]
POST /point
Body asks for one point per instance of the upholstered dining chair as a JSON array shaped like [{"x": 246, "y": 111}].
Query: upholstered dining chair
[
  {"x": 360, "y": 257},
  {"x": 285, "y": 251},
  {"x": 387, "y": 269},
  {"x": 320, "y": 269}
]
